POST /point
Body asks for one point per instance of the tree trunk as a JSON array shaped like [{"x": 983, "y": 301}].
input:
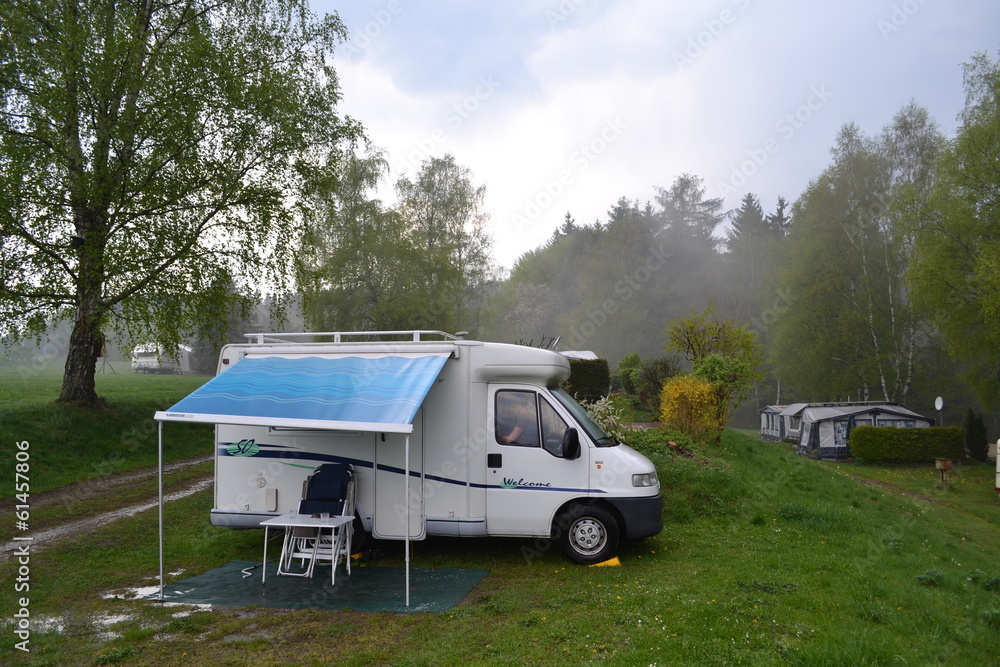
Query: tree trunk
[
  {"x": 85, "y": 345},
  {"x": 86, "y": 342}
]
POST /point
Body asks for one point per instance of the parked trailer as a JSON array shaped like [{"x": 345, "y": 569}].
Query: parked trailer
[
  {"x": 155, "y": 359},
  {"x": 496, "y": 449}
]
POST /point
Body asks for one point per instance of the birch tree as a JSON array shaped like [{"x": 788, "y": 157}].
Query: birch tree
[
  {"x": 149, "y": 152},
  {"x": 854, "y": 332},
  {"x": 956, "y": 274}
]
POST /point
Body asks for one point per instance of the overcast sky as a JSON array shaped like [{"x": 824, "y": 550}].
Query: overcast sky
[{"x": 567, "y": 106}]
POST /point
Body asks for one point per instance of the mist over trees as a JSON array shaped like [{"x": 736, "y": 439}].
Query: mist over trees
[
  {"x": 423, "y": 264},
  {"x": 878, "y": 283},
  {"x": 151, "y": 186}
]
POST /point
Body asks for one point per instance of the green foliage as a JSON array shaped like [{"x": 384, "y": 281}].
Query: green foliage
[
  {"x": 886, "y": 444},
  {"x": 613, "y": 417},
  {"x": 649, "y": 377},
  {"x": 852, "y": 330},
  {"x": 700, "y": 334},
  {"x": 152, "y": 154},
  {"x": 754, "y": 254},
  {"x": 955, "y": 272},
  {"x": 607, "y": 285},
  {"x": 423, "y": 265},
  {"x": 589, "y": 379},
  {"x": 976, "y": 439},
  {"x": 627, "y": 367},
  {"x": 723, "y": 352},
  {"x": 732, "y": 381}
]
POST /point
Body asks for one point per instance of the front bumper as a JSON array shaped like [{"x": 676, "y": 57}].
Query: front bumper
[{"x": 643, "y": 516}]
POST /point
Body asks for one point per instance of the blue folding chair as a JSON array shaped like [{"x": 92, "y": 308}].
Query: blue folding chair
[{"x": 330, "y": 489}]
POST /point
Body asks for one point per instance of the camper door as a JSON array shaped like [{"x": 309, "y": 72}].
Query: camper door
[
  {"x": 394, "y": 516},
  {"x": 527, "y": 476}
]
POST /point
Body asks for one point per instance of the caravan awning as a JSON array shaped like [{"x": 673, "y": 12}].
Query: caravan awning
[{"x": 362, "y": 392}]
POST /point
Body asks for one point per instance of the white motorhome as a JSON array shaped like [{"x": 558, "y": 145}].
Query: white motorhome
[
  {"x": 153, "y": 358},
  {"x": 496, "y": 448}
]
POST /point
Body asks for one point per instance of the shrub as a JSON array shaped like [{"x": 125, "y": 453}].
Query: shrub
[
  {"x": 887, "y": 444},
  {"x": 687, "y": 404},
  {"x": 589, "y": 379},
  {"x": 627, "y": 372},
  {"x": 611, "y": 417},
  {"x": 649, "y": 378},
  {"x": 976, "y": 438}
]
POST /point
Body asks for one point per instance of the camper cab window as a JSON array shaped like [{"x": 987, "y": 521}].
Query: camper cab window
[{"x": 522, "y": 415}]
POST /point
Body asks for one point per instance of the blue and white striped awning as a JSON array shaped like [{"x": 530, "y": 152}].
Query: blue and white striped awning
[{"x": 362, "y": 392}]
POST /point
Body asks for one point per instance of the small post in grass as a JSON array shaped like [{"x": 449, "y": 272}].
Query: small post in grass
[{"x": 944, "y": 466}]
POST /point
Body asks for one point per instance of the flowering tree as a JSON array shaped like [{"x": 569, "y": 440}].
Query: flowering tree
[{"x": 687, "y": 404}]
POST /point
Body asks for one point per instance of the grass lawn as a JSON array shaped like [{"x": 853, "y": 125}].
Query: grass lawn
[
  {"x": 765, "y": 559},
  {"x": 67, "y": 444}
]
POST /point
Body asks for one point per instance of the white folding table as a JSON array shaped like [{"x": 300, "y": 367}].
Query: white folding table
[{"x": 289, "y": 521}]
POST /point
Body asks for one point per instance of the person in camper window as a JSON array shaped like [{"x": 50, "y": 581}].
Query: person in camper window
[{"x": 517, "y": 418}]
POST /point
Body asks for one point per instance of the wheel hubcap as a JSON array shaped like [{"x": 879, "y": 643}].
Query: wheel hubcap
[{"x": 588, "y": 536}]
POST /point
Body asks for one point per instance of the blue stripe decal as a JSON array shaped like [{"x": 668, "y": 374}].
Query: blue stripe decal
[
  {"x": 361, "y": 463},
  {"x": 298, "y": 456}
]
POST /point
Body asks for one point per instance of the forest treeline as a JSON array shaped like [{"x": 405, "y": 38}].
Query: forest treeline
[
  {"x": 877, "y": 283},
  {"x": 161, "y": 165}
]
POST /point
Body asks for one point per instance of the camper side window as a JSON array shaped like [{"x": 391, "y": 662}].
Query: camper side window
[{"x": 517, "y": 418}]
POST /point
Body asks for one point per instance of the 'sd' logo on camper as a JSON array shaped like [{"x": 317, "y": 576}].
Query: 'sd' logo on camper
[{"x": 243, "y": 448}]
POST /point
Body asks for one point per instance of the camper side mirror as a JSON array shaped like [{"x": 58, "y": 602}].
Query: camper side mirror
[{"x": 571, "y": 444}]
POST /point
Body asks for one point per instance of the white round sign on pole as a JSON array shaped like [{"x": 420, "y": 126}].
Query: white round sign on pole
[{"x": 938, "y": 403}]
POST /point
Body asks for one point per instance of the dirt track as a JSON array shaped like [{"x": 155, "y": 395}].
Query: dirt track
[{"x": 95, "y": 487}]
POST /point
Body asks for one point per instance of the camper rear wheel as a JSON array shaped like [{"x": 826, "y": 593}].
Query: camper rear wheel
[
  {"x": 589, "y": 534},
  {"x": 359, "y": 536}
]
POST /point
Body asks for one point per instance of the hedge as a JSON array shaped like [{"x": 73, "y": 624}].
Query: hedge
[
  {"x": 888, "y": 444},
  {"x": 589, "y": 379}
]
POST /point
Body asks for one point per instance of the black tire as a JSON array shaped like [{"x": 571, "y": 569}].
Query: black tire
[
  {"x": 588, "y": 534},
  {"x": 359, "y": 536}
]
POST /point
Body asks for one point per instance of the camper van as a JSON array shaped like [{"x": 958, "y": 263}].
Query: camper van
[
  {"x": 152, "y": 358},
  {"x": 446, "y": 436}
]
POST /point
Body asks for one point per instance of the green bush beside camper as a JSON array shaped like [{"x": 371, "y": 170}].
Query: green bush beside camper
[{"x": 887, "y": 444}]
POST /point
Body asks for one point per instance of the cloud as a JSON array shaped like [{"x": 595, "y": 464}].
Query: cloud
[{"x": 568, "y": 105}]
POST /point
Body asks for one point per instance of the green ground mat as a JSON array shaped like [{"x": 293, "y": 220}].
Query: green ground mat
[{"x": 369, "y": 588}]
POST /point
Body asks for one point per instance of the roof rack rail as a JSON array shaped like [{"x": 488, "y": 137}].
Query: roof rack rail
[{"x": 415, "y": 335}]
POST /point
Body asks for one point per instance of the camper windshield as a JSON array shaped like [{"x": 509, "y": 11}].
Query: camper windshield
[{"x": 583, "y": 418}]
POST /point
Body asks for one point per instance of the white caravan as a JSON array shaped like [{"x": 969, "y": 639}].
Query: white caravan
[
  {"x": 154, "y": 359},
  {"x": 496, "y": 448}
]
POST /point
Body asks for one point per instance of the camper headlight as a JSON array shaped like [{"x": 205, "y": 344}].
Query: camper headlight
[{"x": 645, "y": 479}]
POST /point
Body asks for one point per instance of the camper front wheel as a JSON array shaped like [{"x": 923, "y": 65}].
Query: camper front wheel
[{"x": 589, "y": 535}]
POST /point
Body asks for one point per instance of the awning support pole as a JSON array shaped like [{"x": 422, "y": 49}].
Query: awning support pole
[
  {"x": 406, "y": 494},
  {"x": 160, "y": 479}
]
